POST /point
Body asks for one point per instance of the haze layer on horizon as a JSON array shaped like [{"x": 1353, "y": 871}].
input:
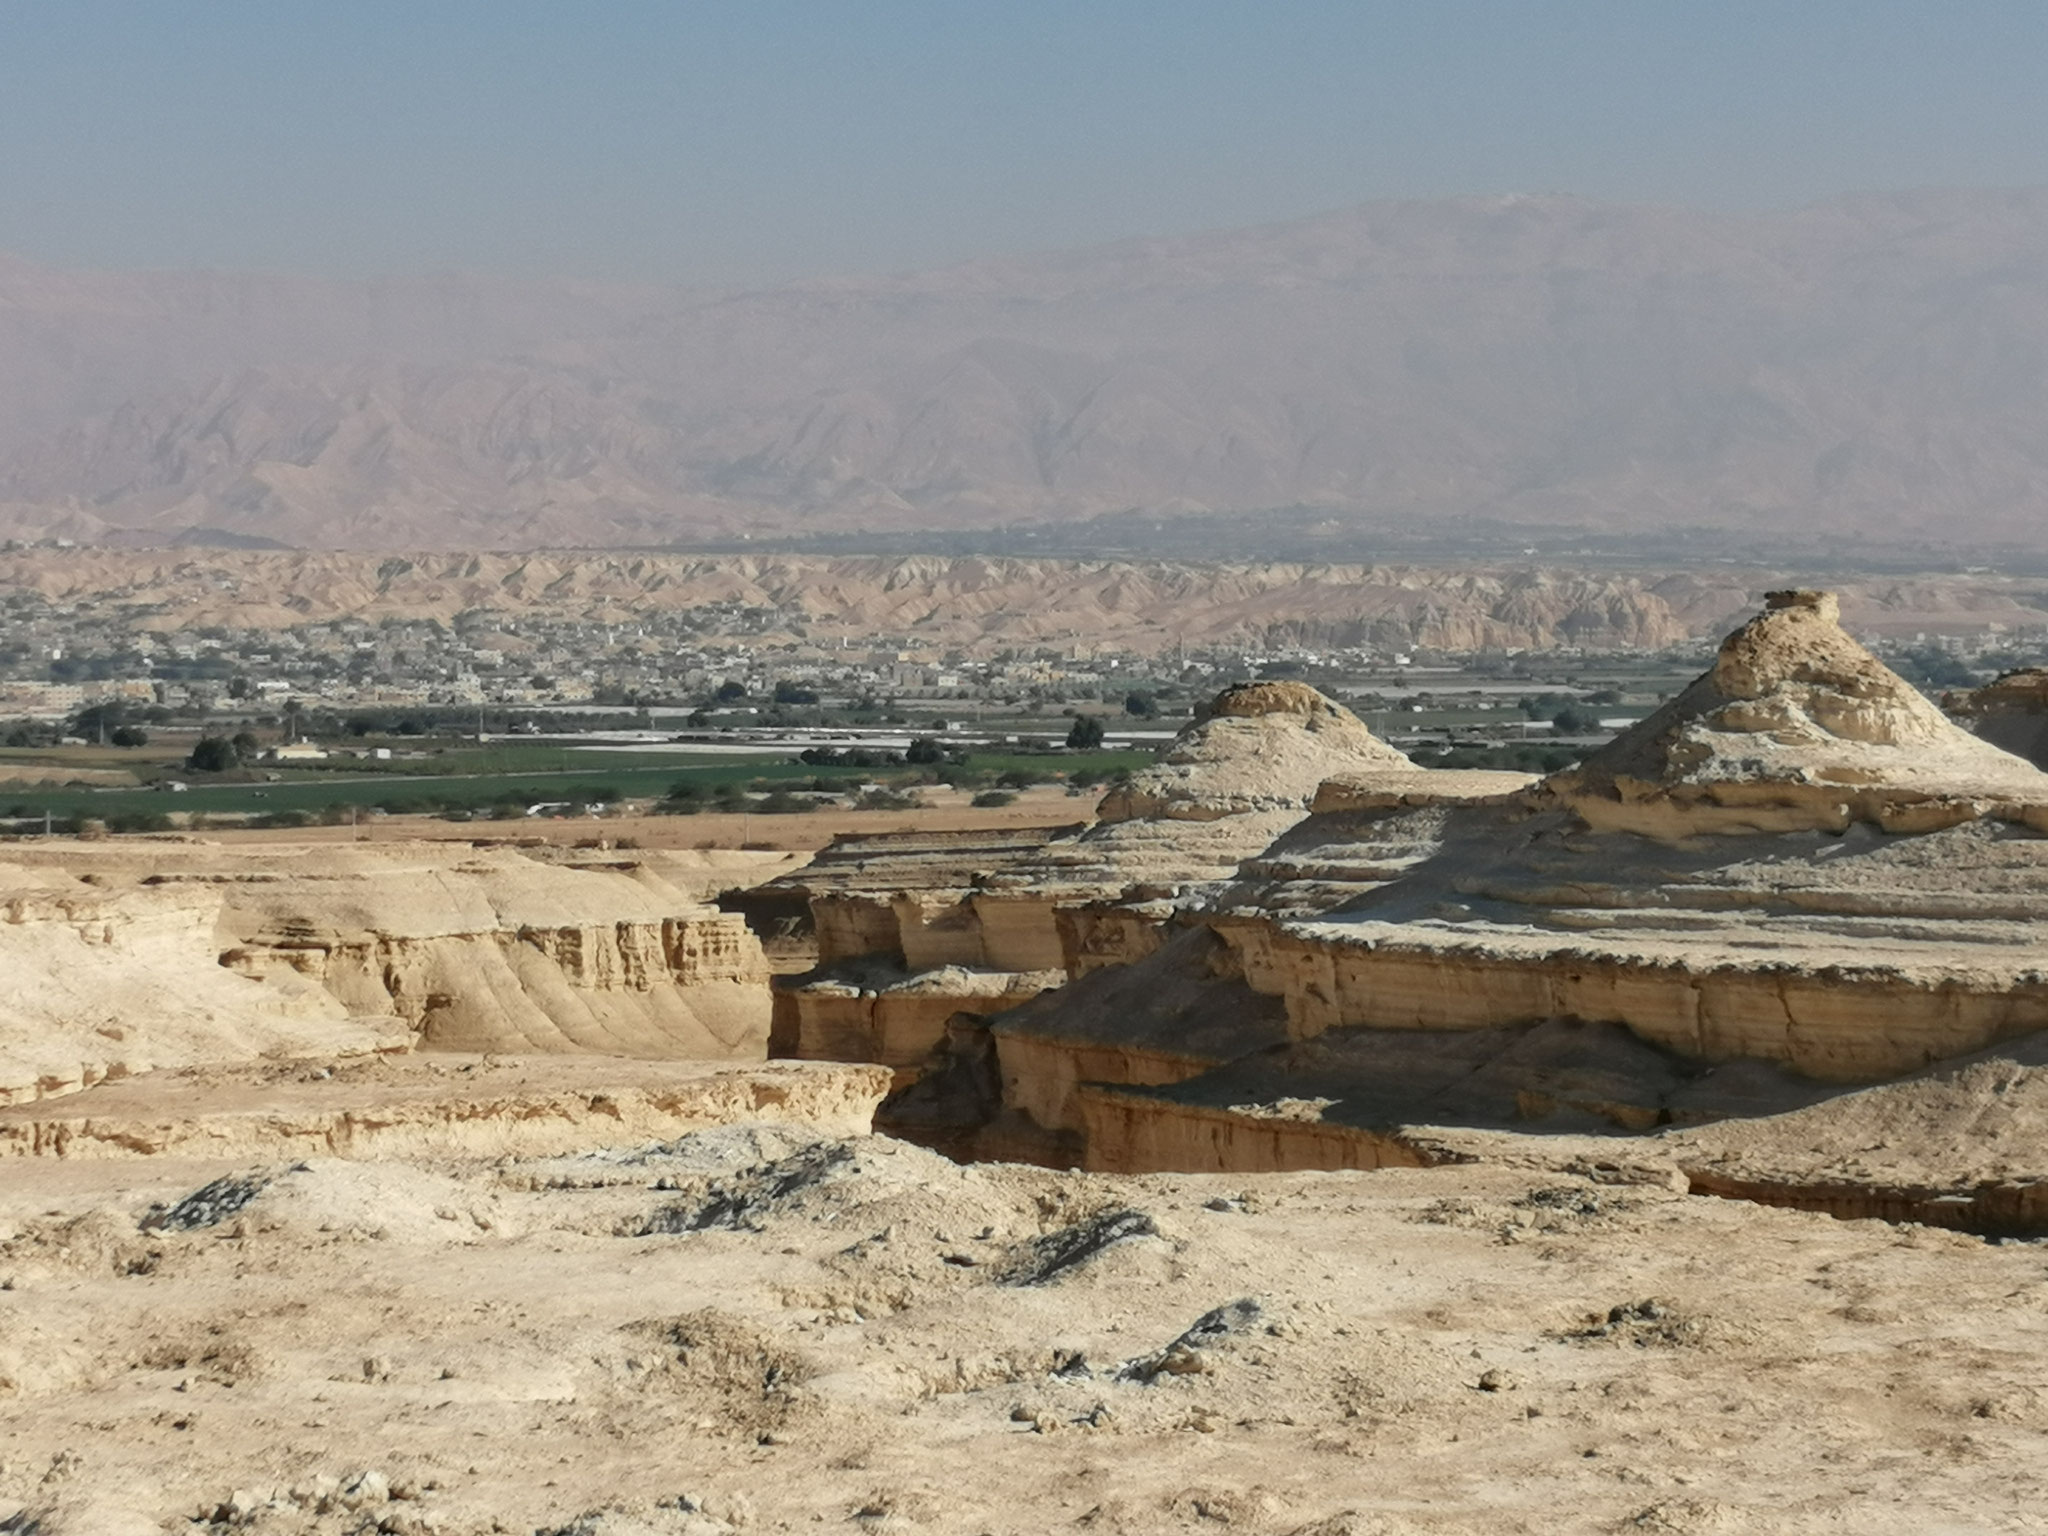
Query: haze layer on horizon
[{"x": 740, "y": 144}]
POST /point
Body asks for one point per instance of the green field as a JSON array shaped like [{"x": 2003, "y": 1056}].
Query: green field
[{"x": 432, "y": 786}]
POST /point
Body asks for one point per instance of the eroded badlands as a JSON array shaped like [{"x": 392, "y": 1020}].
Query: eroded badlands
[{"x": 1308, "y": 1143}]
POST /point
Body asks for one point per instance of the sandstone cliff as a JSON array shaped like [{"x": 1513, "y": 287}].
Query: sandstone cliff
[
  {"x": 1014, "y": 913},
  {"x": 1798, "y": 862},
  {"x": 2010, "y": 712},
  {"x": 101, "y": 983},
  {"x": 183, "y": 952}
]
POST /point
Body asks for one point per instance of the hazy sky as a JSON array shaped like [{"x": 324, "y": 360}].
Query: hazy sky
[{"x": 707, "y": 141}]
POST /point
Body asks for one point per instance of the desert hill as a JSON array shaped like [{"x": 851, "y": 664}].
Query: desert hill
[
  {"x": 986, "y": 603},
  {"x": 1872, "y": 365}
]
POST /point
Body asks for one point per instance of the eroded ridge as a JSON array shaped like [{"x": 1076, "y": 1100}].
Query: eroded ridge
[{"x": 1795, "y": 881}]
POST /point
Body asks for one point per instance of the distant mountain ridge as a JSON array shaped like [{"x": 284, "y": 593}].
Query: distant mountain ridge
[{"x": 1872, "y": 367}]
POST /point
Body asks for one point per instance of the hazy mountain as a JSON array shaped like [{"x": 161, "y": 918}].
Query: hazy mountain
[{"x": 1876, "y": 365}]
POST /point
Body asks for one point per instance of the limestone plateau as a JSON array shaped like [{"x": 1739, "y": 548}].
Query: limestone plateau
[
  {"x": 1866, "y": 366},
  {"x": 1308, "y": 1143}
]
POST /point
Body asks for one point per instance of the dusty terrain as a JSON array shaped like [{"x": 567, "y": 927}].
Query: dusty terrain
[
  {"x": 1521, "y": 1150},
  {"x": 849, "y": 1341}
]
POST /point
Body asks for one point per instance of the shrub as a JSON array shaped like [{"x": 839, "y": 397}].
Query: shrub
[
  {"x": 989, "y": 799},
  {"x": 138, "y": 821},
  {"x": 1086, "y": 734},
  {"x": 212, "y": 754},
  {"x": 885, "y": 799}
]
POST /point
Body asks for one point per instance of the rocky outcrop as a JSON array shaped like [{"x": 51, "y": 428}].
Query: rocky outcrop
[
  {"x": 101, "y": 982},
  {"x": 424, "y": 945},
  {"x": 432, "y": 1104},
  {"x": 495, "y": 951},
  {"x": 1260, "y": 747},
  {"x": 1798, "y": 862},
  {"x": 2010, "y": 712},
  {"x": 1005, "y": 915},
  {"x": 870, "y": 1012},
  {"x": 1795, "y": 727}
]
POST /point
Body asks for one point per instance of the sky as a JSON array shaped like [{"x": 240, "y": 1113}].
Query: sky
[{"x": 729, "y": 142}]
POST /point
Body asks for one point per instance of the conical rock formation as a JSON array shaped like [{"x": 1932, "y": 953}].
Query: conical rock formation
[
  {"x": 1797, "y": 727},
  {"x": 1262, "y": 747}
]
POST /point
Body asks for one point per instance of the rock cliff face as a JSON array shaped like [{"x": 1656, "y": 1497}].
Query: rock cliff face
[
  {"x": 495, "y": 951},
  {"x": 1799, "y": 862},
  {"x": 100, "y": 983},
  {"x": 180, "y": 953},
  {"x": 2010, "y": 713},
  {"x": 1009, "y": 915}
]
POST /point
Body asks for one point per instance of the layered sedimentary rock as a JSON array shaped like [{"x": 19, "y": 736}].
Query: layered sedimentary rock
[
  {"x": 2010, "y": 712},
  {"x": 872, "y": 1012},
  {"x": 461, "y": 1105},
  {"x": 1795, "y": 727},
  {"x": 1797, "y": 862},
  {"x": 103, "y": 982},
  {"x": 167, "y": 953},
  {"x": 496, "y": 951},
  {"x": 1011, "y": 914}
]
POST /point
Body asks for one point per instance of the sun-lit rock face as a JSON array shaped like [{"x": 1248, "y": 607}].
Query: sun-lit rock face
[
  {"x": 1259, "y": 747},
  {"x": 1797, "y": 726},
  {"x": 115, "y": 958},
  {"x": 1798, "y": 865},
  {"x": 101, "y": 980}
]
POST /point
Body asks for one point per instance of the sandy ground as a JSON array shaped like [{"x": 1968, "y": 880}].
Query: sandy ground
[
  {"x": 786, "y": 1334},
  {"x": 947, "y": 810}
]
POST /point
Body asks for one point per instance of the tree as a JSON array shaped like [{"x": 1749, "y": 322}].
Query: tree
[
  {"x": 212, "y": 754},
  {"x": 1140, "y": 704},
  {"x": 101, "y": 722},
  {"x": 129, "y": 736},
  {"x": 731, "y": 691},
  {"x": 924, "y": 750},
  {"x": 1574, "y": 721},
  {"x": 1086, "y": 735},
  {"x": 787, "y": 692},
  {"x": 246, "y": 746}
]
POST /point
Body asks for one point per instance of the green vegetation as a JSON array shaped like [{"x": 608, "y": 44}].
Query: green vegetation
[
  {"x": 717, "y": 784},
  {"x": 1516, "y": 757}
]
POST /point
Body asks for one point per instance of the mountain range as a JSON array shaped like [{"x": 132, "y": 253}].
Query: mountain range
[{"x": 1873, "y": 368}]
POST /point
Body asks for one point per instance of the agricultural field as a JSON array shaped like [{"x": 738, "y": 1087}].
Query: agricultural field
[{"x": 505, "y": 781}]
